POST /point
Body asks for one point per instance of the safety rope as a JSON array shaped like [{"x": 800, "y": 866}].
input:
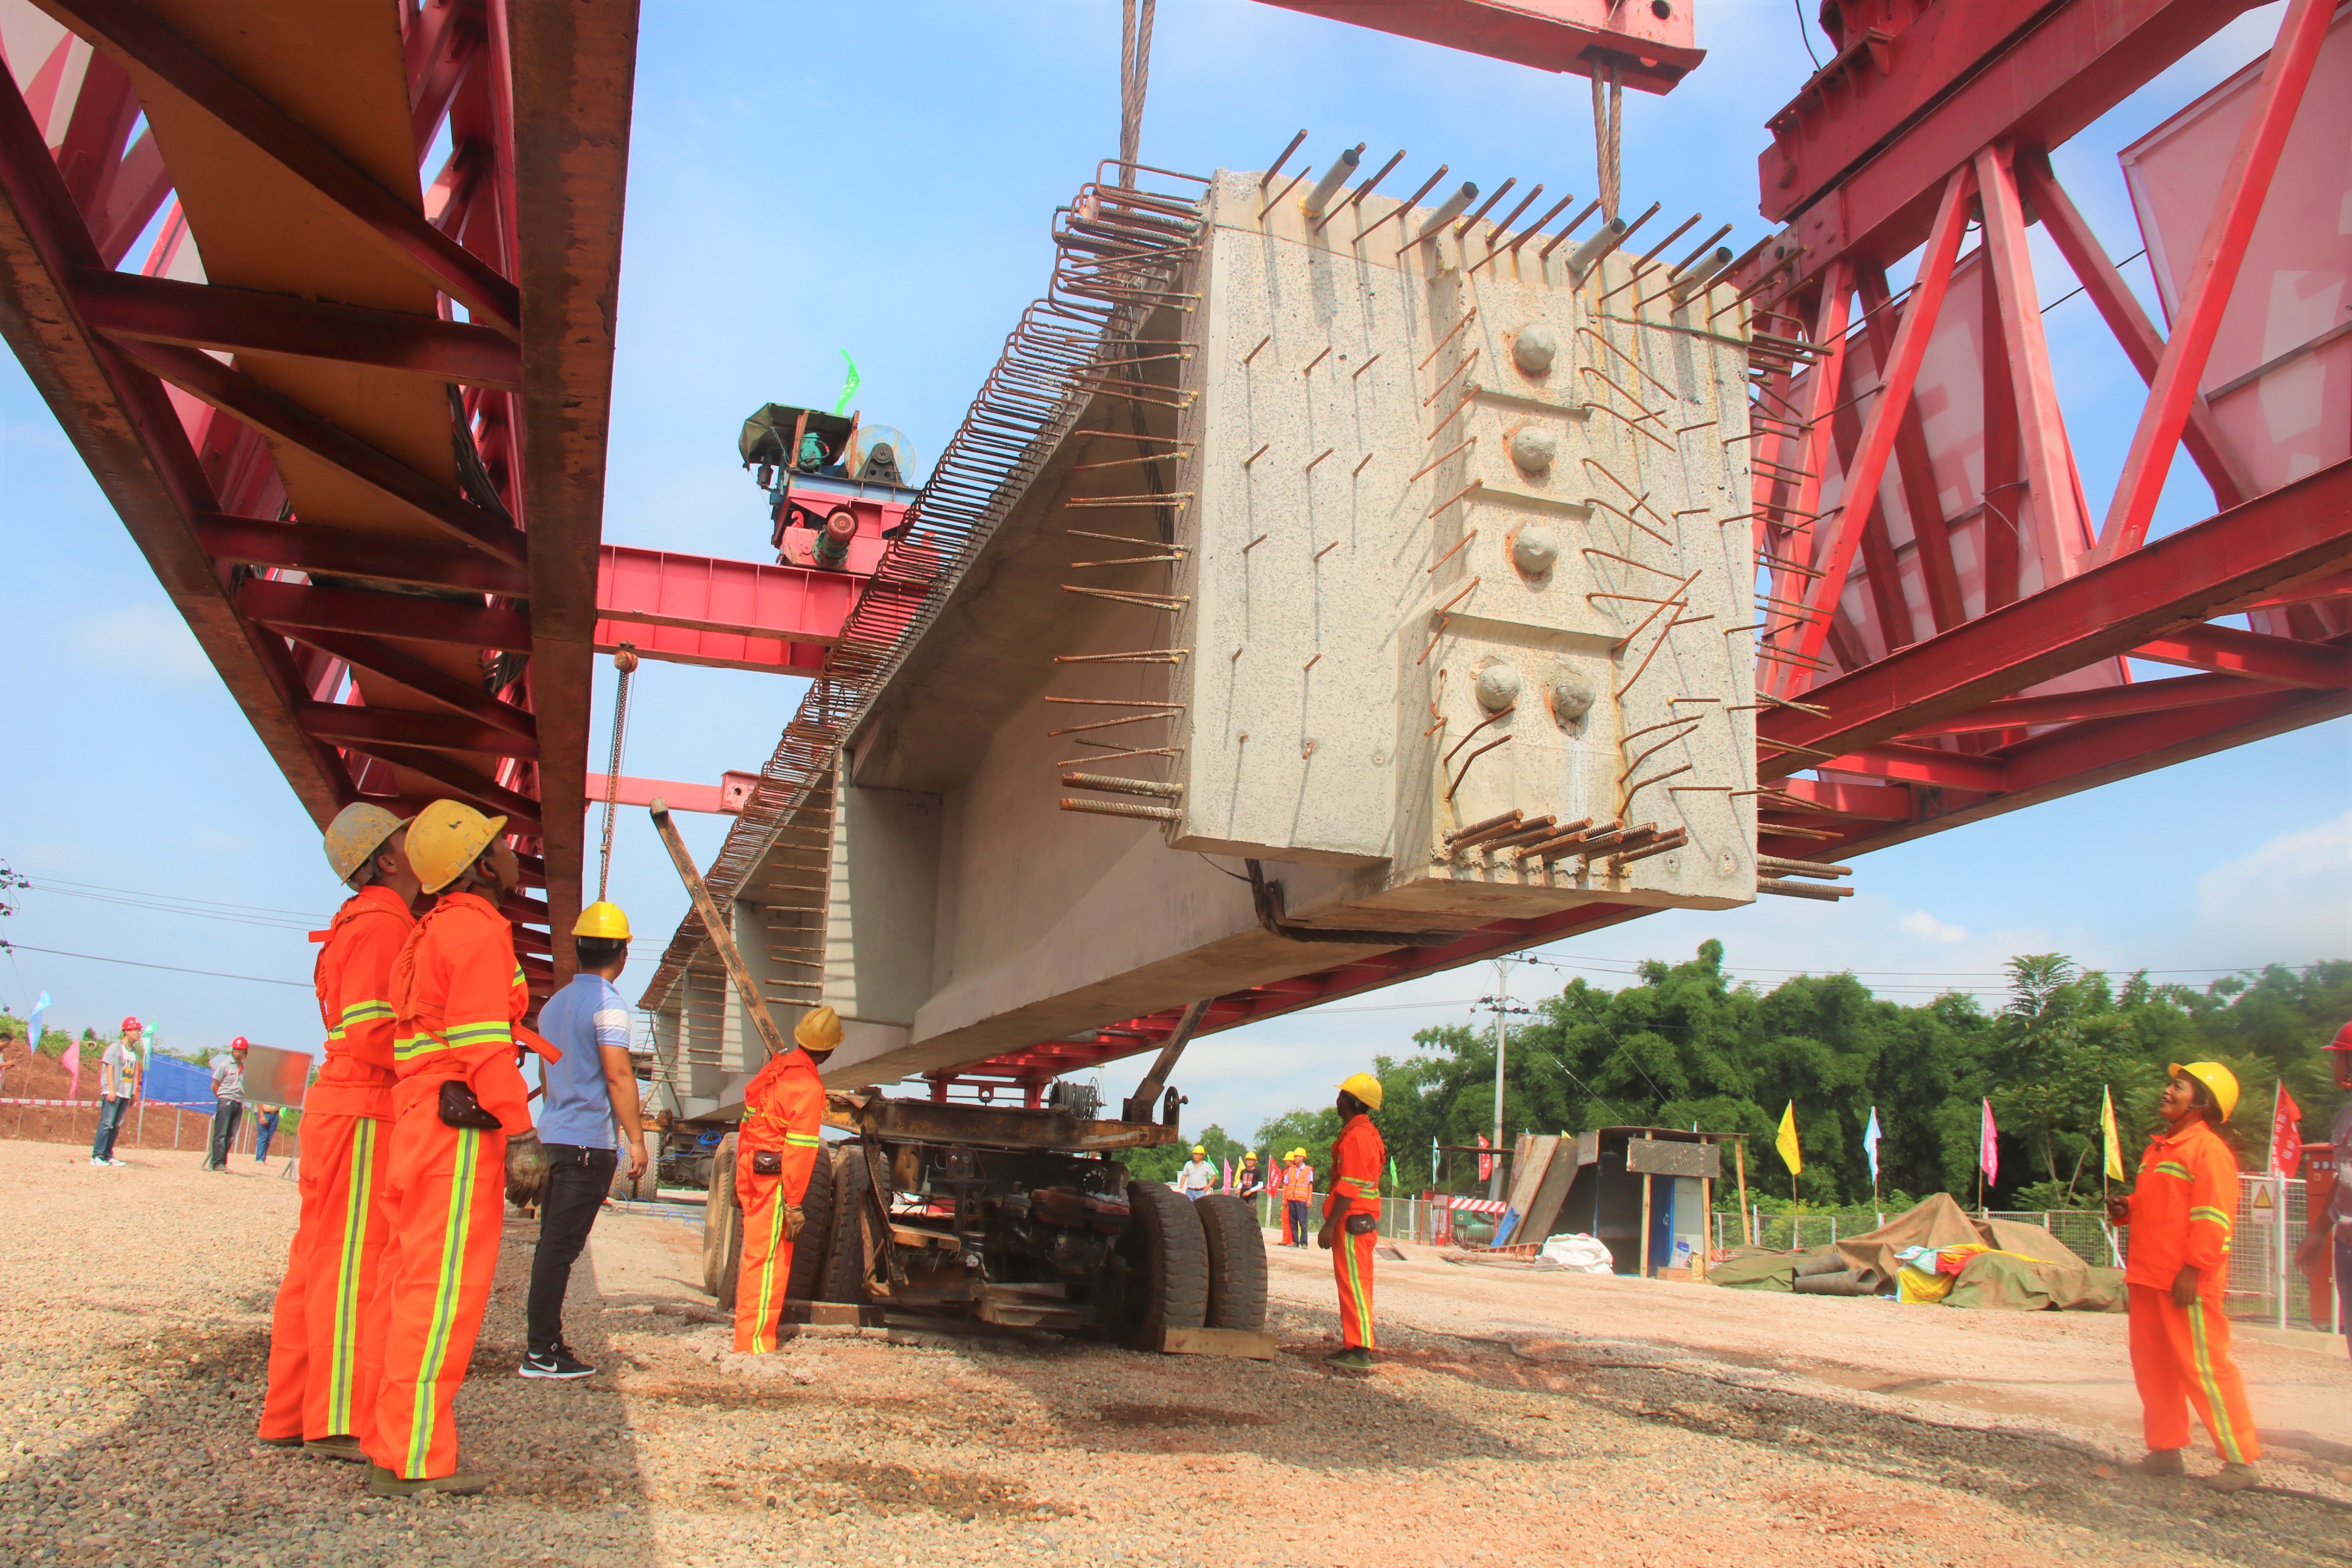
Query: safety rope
[
  {"x": 1134, "y": 76},
  {"x": 625, "y": 662},
  {"x": 1608, "y": 123}
]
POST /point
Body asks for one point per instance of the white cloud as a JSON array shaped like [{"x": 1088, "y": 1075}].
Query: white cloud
[
  {"x": 1927, "y": 928},
  {"x": 2288, "y": 900},
  {"x": 146, "y": 640}
]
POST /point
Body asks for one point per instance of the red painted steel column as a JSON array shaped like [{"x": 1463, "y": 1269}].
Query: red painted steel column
[
  {"x": 2049, "y": 466},
  {"x": 1813, "y": 446},
  {"x": 1901, "y": 375},
  {"x": 2215, "y": 275}
]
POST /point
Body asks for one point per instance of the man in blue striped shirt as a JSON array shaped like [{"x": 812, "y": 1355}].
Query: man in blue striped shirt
[{"x": 589, "y": 1093}]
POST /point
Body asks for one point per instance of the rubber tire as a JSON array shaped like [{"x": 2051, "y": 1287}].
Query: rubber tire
[
  {"x": 844, "y": 1258},
  {"x": 1171, "y": 1289},
  {"x": 723, "y": 1229},
  {"x": 1236, "y": 1262},
  {"x": 629, "y": 1191},
  {"x": 814, "y": 1250}
]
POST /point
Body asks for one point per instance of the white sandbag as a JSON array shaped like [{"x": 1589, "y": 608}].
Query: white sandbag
[{"x": 1580, "y": 1254}]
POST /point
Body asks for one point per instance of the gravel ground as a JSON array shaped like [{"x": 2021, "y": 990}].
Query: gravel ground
[{"x": 132, "y": 1378}]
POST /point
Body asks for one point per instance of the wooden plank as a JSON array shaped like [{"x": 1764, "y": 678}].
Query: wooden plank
[
  {"x": 1543, "y": 1212},
  {"x": 1238, "y": 1342},
  {"x": 1535, "y": 1157},
  {"x": 1659, "y": 1156}
]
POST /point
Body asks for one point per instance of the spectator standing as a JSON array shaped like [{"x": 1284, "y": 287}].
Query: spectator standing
[
  {"x": 228, "y": 1103},
  {"x": 265, "y": 1128},
  {"x": 1247, "y": 1183},
  {"x": 1299, "y": 1192},
  {"x": 590, "y": 1090},
  {"x": 1198, "y": 1176},
  {"x": 117, "y": 1086},
  {"x": 2312, "y": 1254}
]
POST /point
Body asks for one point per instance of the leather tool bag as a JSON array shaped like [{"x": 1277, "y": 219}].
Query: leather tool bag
[
  {"x": 1361, "y": 1225},
  {"x": 459, "y": 1107},
  {"x": 767, "y": 1163}
]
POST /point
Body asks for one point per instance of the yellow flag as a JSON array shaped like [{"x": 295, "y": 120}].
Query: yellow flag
[
  {"x": 1787, "y": 1141},
  {"x": 2108, "y": 1136}
]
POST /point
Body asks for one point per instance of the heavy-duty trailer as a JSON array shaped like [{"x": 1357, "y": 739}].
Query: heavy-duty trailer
[
  {"x": 1014, "y": 1216},
  {"x": 1007, "y": 1215}
]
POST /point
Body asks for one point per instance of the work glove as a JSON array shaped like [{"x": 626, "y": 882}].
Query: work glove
[
  {"x": 793, "y": 1220},
  {"x": 526, "y": 1168}
]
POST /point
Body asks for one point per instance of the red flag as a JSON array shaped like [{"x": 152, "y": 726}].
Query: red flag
[
  {"x": 1486, "y": 1161},
  {"x": 1989, "y": 1148},
  {"x": 2286, "y": 1138}
]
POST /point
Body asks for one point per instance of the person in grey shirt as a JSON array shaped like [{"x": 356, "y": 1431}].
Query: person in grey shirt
[
  {"x": 118, "y": 1085},
  {"x": 2313, "y": 1252},
  {"x": 228, "y": 1103}
]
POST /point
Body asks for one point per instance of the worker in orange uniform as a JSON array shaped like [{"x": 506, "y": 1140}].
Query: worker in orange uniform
[
  {"x": 1351, "y": 1217},
  {"x": 317, "y": 1399},
  {"x": 2181, "y": 1214},
  {"x": 460, "y": 1111},
  {"x": 775, "y": 1151},
  {"x": 1299, "y": 1195}
]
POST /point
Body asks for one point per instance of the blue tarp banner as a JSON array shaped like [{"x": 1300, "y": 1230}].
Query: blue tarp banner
[{"x": 171, "y": 1081}]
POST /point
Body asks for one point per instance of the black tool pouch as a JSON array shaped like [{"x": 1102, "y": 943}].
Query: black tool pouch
[
  {"x": 1361, "y": 1225},
  {"x": 767, "y": 1163},
  {"x": 459, "y": 1107}
]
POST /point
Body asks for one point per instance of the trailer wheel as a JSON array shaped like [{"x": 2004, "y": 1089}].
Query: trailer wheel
[
  {"x": 723, "y": 1227},
  {"x": 845, "y": 1258},
  {"x": 814, "y": 1250},
  {"x": 628, "y": 1191},
  {"x": 1236, "y": 1262},
  {"x": 1167, "y": 1259}
]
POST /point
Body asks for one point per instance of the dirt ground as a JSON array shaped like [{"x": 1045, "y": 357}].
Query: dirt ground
[{"x": 1515, "y": 1418}]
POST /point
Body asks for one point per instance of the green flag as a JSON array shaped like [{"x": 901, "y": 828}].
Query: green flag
[{"x": 849, "y": 388}]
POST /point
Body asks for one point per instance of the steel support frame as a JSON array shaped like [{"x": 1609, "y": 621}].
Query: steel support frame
[{"x": 523, "y": 232}]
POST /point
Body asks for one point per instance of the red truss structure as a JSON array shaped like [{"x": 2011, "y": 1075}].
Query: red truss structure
[
  {"x": 1957, "y": 648},
  {"x": 350, "y": 406}
]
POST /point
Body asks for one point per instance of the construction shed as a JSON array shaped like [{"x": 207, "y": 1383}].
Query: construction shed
[{"x": 1644, "y": 1192}]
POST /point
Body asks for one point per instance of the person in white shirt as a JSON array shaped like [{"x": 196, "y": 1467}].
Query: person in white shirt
[
  {"x": 1197, "y": 1176},
  {"x": 228, "y": 1103}
]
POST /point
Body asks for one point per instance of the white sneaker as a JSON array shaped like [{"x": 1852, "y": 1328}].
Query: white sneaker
[
  {"x": 118, "y": 1162},
  {"x": 96, "y": 1161}
]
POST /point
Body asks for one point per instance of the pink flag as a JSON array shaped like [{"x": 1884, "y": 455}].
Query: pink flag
[
  {"x": 1989, "y": 1148},
  {"x": 2286, "y": 1138},
  {"x": 72, "y": 1062},
  {"x": 1229, "y": 1178}
]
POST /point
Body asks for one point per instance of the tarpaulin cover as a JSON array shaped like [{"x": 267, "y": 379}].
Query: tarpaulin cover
[
  {"x": 2030, "y": 1269},
  {"x": 2006, "y": 1281}
]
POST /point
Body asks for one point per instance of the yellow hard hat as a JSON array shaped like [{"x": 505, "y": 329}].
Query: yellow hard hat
[
  {"x": 601, "y": 919},
  {"x": 2219, "y": 1080},
  {"x": 444, "y": 838},
  {"x": 819, "y": 1029},
  {"x": 1248, "y": 1155},
  {"x": 1364, "y": 1087},
  {"x": 358, "y": 831}
]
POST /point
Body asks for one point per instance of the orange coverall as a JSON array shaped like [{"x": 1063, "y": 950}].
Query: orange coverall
[
  {"x": 2182, "y": 1211},
  {"x": 1280, "y": 1186},
  {"x": 459, "y": 995},
  {"x": 321, "y": 1320},
  {"x": 1356, "y": 1160},
  {"x": 782, "y": 1107}
]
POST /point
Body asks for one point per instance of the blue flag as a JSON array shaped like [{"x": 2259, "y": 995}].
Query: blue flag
[
  {"x": 33, "y": 1022},
  {"x": 1870, "y": 1144}
]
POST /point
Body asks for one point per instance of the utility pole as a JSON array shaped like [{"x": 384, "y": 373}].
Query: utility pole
[{"x": 1500, "y": 1004}]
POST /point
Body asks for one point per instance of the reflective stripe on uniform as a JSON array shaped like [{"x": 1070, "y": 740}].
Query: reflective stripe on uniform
[
  {"x": 356, "y": 1012},
  {"x": 454, "y": 1228},
  {"x": 2225, "y": 1431},
  {"x": 1352, "y": 1265},
  {"x": 463, "y": 1036},
  {"x": 342, "y": 1343},
  {"x": 803, "y": 1140},
  {"x": 763, "y": 1337},
  {"x": 2170, "y": 1168}
]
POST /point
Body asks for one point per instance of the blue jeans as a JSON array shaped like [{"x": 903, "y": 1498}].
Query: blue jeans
[
  {"x": 111, "y": 1112},
  {"x": 265, "y": 1127}
]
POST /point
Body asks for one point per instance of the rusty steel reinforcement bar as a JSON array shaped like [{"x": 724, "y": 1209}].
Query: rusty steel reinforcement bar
[{"x": 1120, "y": 252}]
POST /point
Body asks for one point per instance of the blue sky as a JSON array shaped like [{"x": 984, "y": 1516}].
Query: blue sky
[{"x": 879, "y": 178}]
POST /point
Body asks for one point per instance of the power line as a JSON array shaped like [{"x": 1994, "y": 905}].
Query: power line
[{"x": 135, "y": 964}]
